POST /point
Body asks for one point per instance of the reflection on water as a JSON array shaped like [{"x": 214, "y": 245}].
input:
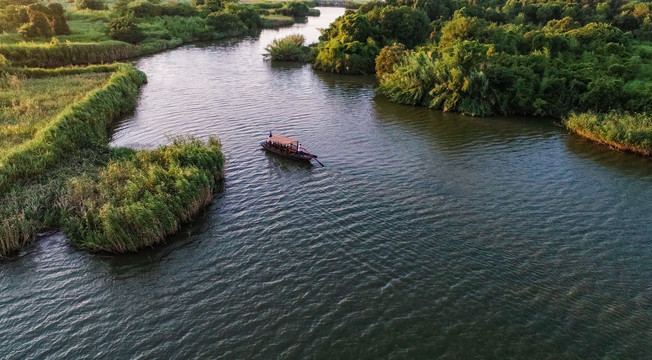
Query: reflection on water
[{"x": 427, "y": 234}]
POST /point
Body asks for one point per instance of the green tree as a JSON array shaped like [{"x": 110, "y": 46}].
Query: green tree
[{"x": 406, "y": 25}]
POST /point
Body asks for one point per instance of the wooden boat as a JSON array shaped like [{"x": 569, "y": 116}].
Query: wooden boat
[{"x": 288, "y": 147}]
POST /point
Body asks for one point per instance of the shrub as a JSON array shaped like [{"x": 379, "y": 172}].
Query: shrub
[
  {"x": 121, "y": 7},
  {"x": 289, "y": 48},
  {"x": 125, "y": 29},
  {"x": 248, "y": 14},
  {"x": 91, "y": 5},
  {"x": 226, "y": 23},
  {"x": 4, "y": 65},
  {"x": 59, "y": 23},
  {"x": 346, "y": 58},
  {"x": 407, "y": 25},
  {"x": 38, "y": 26},
  {"x": 388, "y": 57},
  {"x": 145, "y": 9},
  {"x": 295, "y": 8}
]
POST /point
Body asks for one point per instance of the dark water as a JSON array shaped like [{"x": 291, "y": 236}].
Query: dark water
[{"x": 427, "y": 235}]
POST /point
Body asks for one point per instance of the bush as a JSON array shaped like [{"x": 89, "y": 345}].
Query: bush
[
  {"x": 38, "y": 26},
  {"x": 4, "y": 65},
  {"x": 388, "y": 57},
  {"x": 346, "y": 58},
  {"x": 289, "y": 48},
  {"x": 59, "y": 23},
  {"x": 248, "y": 14},
  {"x": 145, "y": 9},
  {"x": 226, "y": 23},
  {"x": 91, "y": 5},
  {"x": 295, "y": 8},
  {"x": 407, "y": 25},
  {"x": 125, "y": 29}
]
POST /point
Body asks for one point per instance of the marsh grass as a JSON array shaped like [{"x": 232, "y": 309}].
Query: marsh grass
[
  {"x": 140, "y": 197},
  {"x": 81, "y": 124},
  {"x": 32, "y": 204},
  {"x": 50, "y": 55},
  {"x": 619, "y": 130}
]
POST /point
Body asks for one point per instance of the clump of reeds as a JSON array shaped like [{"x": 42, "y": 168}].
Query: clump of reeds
[
  {"x": 142, "y": 196},
  {"x": 289, "y": 48},
  {"x": 619, "y": 130}
]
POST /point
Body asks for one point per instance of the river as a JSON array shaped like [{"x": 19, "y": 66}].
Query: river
[{"x": 426, "y": 234}]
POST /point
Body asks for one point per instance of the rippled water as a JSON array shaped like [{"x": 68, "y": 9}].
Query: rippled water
[{"x": 426, "y": 235}]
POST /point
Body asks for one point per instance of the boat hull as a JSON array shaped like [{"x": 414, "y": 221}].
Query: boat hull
[{"x": 286, "y": 153}]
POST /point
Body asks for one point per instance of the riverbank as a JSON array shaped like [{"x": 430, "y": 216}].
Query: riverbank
[{"x": 54, "y": 136}]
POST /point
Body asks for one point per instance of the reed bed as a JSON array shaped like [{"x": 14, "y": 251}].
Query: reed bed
[
  {"x": 142, "y": 196},
  {"x": 619, "y": 130}
]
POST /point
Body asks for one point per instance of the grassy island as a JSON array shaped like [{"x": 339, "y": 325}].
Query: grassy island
[
  {"x": 54, "y": 134},
  {"x": 549, "y": 58}
]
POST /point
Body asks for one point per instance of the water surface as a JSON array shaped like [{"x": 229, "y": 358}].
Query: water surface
[{"x": 426, "y": 235}]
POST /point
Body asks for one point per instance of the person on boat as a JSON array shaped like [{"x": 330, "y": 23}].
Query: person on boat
[
  {"x": 269, "y": 137},
  {"x": 300, "y": 150}
]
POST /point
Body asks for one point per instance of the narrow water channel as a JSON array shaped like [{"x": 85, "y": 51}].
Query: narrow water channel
[{"x": 426, "y": 234}]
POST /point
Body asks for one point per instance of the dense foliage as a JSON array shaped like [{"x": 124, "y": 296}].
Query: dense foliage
[
  {"x": 91, "y": 4},
  {"x": 499, "y": 57},
  {"x": 130, "y": 28}
]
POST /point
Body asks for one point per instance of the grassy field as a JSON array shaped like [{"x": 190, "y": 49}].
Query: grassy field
[{"x": 27, "y": 105}]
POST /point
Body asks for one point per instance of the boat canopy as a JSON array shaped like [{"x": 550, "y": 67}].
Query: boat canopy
[{"x": 282, "y": 140}]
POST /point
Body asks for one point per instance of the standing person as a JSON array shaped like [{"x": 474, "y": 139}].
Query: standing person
[
  {"x": 270, "y": 136},
  {"x": 299, "y": 149}
]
